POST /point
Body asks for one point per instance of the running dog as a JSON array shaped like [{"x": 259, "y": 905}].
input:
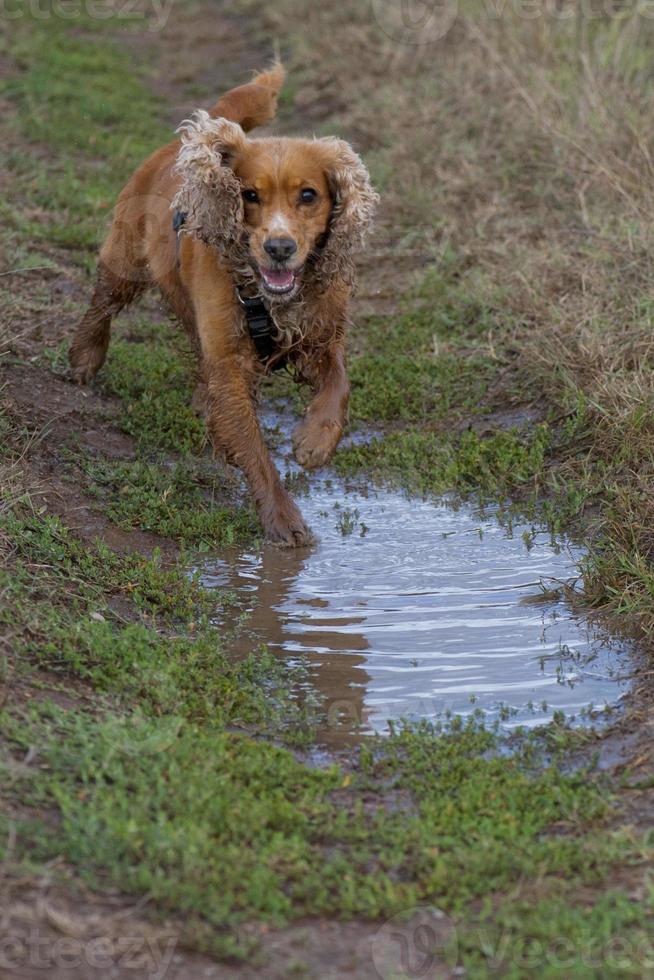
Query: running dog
[{"x": 251, "y": 242}]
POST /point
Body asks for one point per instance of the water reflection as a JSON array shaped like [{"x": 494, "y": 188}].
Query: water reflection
[
  {"x": 407, "y": 608},
  {"x": 265, "y": 584}
]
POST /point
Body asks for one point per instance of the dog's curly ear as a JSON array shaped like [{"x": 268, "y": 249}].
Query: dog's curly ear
[
  {"x": 355, "y": 203},
  {"x": 210, "y": 194}
]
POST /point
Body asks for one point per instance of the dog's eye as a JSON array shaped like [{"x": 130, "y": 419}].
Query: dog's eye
[
  {"x": 251, "y": 197},
  {"x": 308, "y": 195}
]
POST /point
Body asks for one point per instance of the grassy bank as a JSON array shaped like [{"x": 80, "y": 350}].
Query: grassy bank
[{"x": 132, "y": 747}]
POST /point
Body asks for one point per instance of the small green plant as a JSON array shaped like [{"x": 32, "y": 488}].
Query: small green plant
[{"x": 348, "y": 519}]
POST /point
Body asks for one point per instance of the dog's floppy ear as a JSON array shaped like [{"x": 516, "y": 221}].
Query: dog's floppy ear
[
  {"x": 210, "y": 194},
  {"x": 355, "y": 202}
]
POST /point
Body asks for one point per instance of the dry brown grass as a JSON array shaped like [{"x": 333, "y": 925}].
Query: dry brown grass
[{"x": 523, "y": 144}]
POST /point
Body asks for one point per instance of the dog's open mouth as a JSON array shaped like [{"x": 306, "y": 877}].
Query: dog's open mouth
[{"x": 279, "y": 280}]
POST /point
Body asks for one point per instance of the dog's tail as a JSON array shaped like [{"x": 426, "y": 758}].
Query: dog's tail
[{"x": 255, "y": 103}]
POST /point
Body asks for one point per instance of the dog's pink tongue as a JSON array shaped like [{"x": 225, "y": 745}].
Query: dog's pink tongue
[{"x": 279, "y": 279}]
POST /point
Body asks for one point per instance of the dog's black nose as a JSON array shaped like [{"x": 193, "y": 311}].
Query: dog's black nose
[{"x": 280, "y": 249}]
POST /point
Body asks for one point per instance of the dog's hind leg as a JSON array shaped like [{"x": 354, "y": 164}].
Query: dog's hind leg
[
  {"x": 91, "y": 340},
  {"x": 123, "y": 274}
]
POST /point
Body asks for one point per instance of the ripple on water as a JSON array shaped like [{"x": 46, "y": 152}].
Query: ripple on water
[{"x": 408, "y": 609}]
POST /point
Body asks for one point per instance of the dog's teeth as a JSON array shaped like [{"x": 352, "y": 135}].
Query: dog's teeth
[{"x": 278, "y": 281}]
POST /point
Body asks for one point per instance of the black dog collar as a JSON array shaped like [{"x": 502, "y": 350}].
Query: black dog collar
[{"x": 261, "y": 329}]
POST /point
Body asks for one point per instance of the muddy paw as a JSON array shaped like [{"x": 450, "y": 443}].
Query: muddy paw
[
  {"x": 287, "y": 529},
  {"x": 289, "y": 536},
  {"x": 314, "y": 442}
]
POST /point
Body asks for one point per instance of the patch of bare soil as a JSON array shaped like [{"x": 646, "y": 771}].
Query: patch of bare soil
[
  {"x": 59, "y": 415},
  {"x": 49, "y": 931},
  {"x": 202, "y": 53}
]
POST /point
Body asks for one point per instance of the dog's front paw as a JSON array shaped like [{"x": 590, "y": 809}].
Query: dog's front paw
[
  {"x": 285, "y": 526},
  {"x": 315, "y": 441}
]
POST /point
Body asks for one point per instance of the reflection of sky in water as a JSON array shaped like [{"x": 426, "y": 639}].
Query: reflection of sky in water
[{"x": 424, "y": 612}]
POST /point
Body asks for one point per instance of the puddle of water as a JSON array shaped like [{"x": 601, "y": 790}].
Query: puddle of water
[{"x": 409, "y": 609}]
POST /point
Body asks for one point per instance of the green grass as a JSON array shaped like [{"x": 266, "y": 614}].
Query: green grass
[
  {"x": 226, "y": 829},
  {"x": 424, "y": 375},
  {"x": 190, "y": 499},
  {"x": 170, "y": 500},
  {"x": 84, "y": 99},
  {"x": 427, "y": 462},
  {"x": 554, "y": 938},
  {"x": 136, "y": 630},
  {"x": 155, "y": 383},
  {"x": 427, "y": 361},
  {"x": 42, "y": 542}
]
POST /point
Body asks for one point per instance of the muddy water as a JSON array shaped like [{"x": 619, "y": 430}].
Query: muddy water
[{"x": 409, "y": 609}]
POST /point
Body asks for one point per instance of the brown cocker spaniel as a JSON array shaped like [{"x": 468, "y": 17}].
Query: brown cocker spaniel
[{"x": 251, "y": 242}]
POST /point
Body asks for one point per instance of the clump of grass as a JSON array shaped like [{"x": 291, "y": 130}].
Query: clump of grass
[
  {"x": 430, "y": 462},
  {"x": 424, "y": 386},
  {"x": 169, "y": 501},
  {"x": 545, "y": 931},
  {"x": 431, "y": 360},
  {"x": 44, "y": 544}
]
